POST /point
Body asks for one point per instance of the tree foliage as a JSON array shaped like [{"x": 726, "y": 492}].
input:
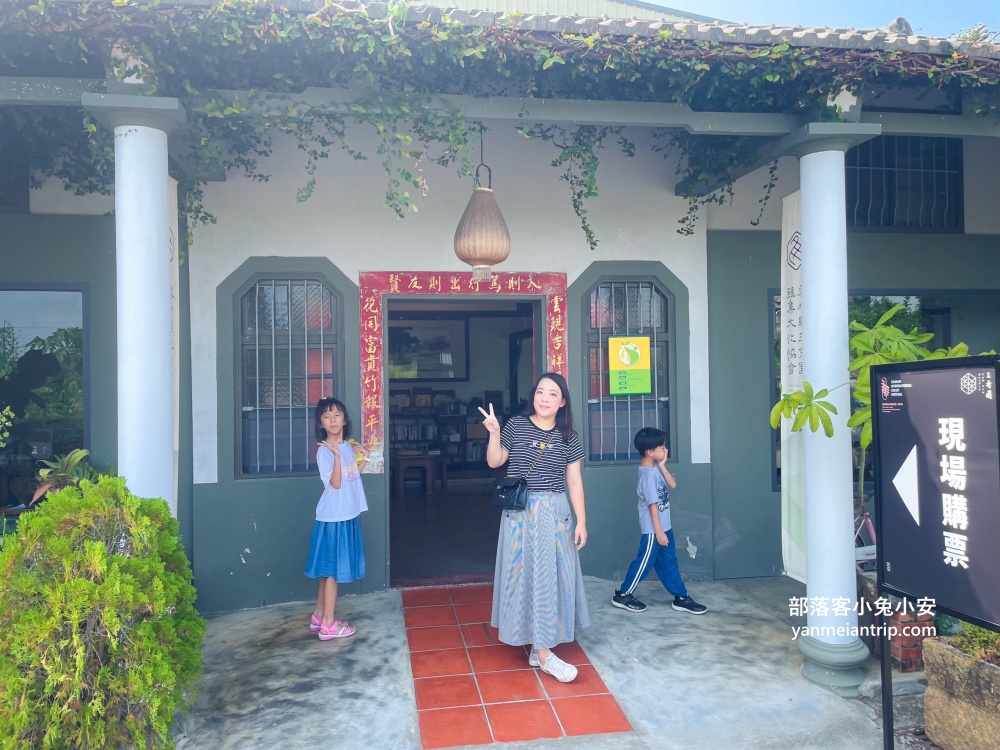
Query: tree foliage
[{"x": 62, "y": 392}]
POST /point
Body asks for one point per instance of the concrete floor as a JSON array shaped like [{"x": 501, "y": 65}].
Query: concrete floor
[{"x": 729, "y": 679}]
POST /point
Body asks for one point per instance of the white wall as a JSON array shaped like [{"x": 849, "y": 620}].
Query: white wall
[
  {"x": 635, "y": 217},
  {"x": 749, "y": 190},
  {"x": 52, "y": 197}
]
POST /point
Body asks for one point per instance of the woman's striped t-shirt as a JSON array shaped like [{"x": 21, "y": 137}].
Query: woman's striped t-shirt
[{"x": 523, "y": 439}]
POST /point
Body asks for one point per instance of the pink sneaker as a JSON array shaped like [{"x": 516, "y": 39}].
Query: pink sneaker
[
  {"x": 337, "y": 630},
  {"x": 315, "y": 624}
]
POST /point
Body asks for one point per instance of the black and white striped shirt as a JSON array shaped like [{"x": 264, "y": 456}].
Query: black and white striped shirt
[{"x": 523, "y": 439}]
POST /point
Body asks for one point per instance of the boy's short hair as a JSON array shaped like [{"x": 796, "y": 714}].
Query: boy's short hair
[{"x": 649, "y": 438}]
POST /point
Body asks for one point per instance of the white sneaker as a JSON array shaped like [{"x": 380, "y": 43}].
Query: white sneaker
[
  {"x": 533, "y": 657},
  {"x": 558, "y": 668}
]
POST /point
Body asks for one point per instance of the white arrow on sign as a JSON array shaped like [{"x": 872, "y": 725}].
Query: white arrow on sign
[{"x": 905, "y": 483}]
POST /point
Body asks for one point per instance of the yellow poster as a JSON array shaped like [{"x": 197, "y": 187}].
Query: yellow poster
[{"x": 629, "y": 363}]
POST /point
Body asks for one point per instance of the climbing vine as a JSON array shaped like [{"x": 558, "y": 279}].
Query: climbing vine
[
  {"x": 578, "y": 155},
  {"x": 242, "y": 69}
]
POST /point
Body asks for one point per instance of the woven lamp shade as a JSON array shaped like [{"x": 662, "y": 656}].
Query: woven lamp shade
[{"x": 481, "y": 239}]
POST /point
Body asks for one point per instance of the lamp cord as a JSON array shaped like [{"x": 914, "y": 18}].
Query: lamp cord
[{"x": 482, "y": 160}]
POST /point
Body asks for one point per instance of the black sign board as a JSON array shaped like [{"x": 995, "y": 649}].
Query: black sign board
[{"x": 936, "y": 435}]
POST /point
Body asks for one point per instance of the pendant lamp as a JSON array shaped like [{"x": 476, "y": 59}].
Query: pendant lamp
[{"x": 481, "y": 239}]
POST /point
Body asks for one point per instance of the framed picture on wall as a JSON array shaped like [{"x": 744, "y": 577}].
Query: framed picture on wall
[{"x": 428, "y": 349}]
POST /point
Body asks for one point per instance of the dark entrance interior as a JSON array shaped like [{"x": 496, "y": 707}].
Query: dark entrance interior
[{"x": 445, "y": 359}]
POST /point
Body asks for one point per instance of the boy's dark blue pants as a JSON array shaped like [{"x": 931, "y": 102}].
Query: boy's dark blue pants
[{"x": 662, "y": 559}]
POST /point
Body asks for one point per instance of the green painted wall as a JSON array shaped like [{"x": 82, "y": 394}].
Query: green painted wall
[
  {"x": 79, "y": 251},
  {"x": 612, "y": 519},
  {"x": 251, "y": 536},
  {"x": 747, "y": 514},
  {"x": 742, "y": 266}
]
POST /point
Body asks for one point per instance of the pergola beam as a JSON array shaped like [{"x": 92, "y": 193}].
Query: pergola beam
[
  {"x": 46, "y": 91},
  {"x": 69, "y": 91},
  {"x": 945, "y": 126},
  {"x": 529, "y": 110}
]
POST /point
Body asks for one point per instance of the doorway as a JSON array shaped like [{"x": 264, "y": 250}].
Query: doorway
[{"x": 445, "y": 359}]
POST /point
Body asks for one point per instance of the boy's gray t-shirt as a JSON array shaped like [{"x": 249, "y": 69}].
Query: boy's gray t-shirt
[{"x": 652, "y": 489}]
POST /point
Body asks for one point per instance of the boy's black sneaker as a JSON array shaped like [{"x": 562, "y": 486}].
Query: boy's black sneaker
[
  {"x": 627, "y": 601},
  {"x": 687, "y": 604}
]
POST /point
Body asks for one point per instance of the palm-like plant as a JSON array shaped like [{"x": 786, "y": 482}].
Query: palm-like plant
[
  {"x": 64, "y": 471},
  {"x": 881, "y": 344}
]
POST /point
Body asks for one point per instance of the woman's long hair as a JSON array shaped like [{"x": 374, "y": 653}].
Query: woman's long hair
[{"x": 564, "y": 417}]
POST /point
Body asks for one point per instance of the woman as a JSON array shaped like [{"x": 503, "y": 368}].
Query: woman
[{"x": 538, "y": 595}]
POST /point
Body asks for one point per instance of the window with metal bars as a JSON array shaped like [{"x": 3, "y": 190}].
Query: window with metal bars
[
  {"x": 905, "y": 183},
  {"x": 627, "y": 308},
  {"x": 289, "y": 347}
]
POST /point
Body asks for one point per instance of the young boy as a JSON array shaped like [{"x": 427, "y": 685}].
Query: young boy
[{"x": 656, "y": 548}]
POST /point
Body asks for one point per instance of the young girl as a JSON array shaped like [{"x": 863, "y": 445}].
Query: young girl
[{"x": 336, "y": 553}]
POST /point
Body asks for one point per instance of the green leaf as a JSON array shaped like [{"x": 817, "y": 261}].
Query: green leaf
[
  {"x": 827, "y": 406},
  {"x": 866, "y": 435},
  {"x": 860, "y": 416},
  {"x": 800, "y": 420},
  {"x": 827, "y": 423},
  {"x": 776, "y": 411},
  {"x": 888, "y": 314}
]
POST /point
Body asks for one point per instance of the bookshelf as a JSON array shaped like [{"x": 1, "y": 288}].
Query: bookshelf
[{"x": 462, "y": 439}]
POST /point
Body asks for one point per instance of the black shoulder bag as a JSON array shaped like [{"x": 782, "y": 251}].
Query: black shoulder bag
[{"x": 512, "y": 492}]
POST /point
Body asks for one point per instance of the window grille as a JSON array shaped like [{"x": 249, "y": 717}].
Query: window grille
[
  {"x": 627, "y": 308},
  {"x": 905, "y": 183},
  {"x": 288, "y": 357}
]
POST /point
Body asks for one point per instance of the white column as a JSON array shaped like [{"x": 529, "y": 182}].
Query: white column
[
  {"x": 145, "y": 370},
  {"x": 833, "y": 658},
  {"x": 146, "y": 395}
]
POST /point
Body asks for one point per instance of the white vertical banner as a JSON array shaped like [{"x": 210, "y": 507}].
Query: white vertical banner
[{"x": 793, "y": 499}]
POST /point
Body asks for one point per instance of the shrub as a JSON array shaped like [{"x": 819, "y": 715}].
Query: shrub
[
  {"x": 978, "y": 642},
  {"x": 100, "y": 642}
]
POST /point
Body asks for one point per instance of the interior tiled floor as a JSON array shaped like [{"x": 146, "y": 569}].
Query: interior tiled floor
[
  {"x": 449, "y": 536},
  {"x": 473, "y": 690}
]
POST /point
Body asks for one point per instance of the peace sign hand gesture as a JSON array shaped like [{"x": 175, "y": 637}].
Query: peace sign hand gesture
[{"x": 491, "y": 423}]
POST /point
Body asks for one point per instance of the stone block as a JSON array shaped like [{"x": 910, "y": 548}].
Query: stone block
[{"x": 962, "y": 702}]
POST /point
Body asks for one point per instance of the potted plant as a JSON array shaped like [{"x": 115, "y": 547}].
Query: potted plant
[
  {"x": 962, "y": 701},
  {"x": 63, "y": 471}
]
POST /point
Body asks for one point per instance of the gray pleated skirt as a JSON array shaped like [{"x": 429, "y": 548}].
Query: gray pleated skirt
[{"x": 538, "y": 595}]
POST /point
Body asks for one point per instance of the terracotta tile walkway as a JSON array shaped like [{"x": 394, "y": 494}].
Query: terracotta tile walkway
[{"x": 473, "y": 690}]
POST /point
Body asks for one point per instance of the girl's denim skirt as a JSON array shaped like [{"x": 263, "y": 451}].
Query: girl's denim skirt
[{"x": 336, "y": 551}]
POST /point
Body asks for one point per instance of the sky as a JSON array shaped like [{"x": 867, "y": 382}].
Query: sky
[{"x": 927, "y": 17}]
